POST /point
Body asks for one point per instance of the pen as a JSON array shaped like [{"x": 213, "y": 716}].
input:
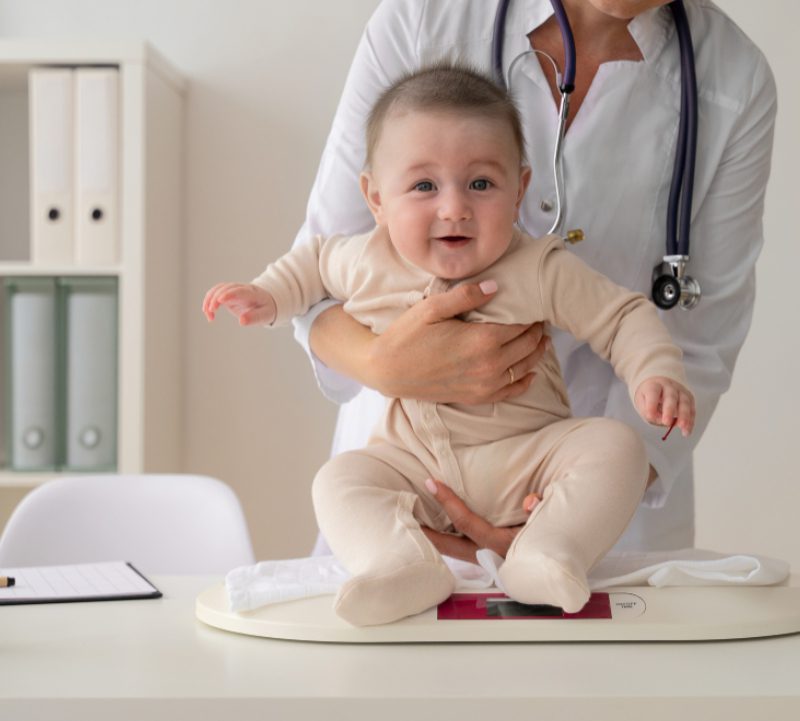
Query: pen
[
  {"x": 7, "y": 581},
  {"x": 670, "y": 429}
]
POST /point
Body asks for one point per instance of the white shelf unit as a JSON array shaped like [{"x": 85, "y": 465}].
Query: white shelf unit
[{"x": 149, "y": 423}]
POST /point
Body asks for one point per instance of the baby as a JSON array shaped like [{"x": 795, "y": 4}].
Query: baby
[{"x": 444, "y": 179}]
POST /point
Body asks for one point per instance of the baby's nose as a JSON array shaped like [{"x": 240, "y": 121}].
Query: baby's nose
[{"x": 454, "y": 207}]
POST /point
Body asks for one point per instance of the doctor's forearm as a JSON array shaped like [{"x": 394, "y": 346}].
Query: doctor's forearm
[{"x": 343, "y": 345}]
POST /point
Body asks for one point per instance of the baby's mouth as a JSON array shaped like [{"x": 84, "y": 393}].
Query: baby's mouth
[{"x": 454, "y": 239}]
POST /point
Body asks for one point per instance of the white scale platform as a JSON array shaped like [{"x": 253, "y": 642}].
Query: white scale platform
[{"x": 623, "y": 614}]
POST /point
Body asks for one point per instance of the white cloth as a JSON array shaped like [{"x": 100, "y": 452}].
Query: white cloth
[
  {"x": 618, "y": 157},
  {"x": 687, "y": 567},
  {"x": 251, "y": 587}
]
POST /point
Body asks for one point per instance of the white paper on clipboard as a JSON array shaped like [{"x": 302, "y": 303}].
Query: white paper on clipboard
[{"x": 107, "y": 581}]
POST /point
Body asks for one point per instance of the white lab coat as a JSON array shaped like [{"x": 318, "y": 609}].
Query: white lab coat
[{"x": 618, "y": 158}]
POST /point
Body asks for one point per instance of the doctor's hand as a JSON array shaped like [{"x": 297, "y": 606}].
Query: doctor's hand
[
  {"x": 661, "y": 401},
  {"x": 429, "y": 354},
  {"x": 249, "y": 303},
  {"x": 476, "y": 531}
]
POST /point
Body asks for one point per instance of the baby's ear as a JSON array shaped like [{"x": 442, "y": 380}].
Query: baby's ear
[
  {"x": 369, "y": 189},
  {"x": 524, "y": 180}
]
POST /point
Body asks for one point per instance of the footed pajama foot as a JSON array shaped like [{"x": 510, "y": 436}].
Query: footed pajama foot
[
  {"x": 371, "y": 599},
  {"x": 538, "y": 578}
]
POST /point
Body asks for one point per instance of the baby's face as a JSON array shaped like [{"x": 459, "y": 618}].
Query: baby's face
[{"x": 448, "y": 188}]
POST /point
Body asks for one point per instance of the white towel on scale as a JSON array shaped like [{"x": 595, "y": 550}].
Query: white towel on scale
[{"x": 250, "y": 587}]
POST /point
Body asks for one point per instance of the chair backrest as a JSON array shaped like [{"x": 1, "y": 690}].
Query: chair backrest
[{"x": 163, "y": 524}]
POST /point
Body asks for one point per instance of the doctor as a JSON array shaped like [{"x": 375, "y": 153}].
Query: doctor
[{"x": 618, "y": 154}]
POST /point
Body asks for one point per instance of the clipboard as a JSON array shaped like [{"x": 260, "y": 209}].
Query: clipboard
[{"x": 107, "y": 581}]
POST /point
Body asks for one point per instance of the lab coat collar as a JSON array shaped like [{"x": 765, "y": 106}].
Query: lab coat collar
[
  {"x": 650, "y": 30},
  {"x": 524, "y": 15}
]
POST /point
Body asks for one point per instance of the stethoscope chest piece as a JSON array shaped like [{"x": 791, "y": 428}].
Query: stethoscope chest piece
[{"x": 671, "y": 285}]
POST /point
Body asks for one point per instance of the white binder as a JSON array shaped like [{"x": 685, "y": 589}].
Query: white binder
[
  {"x": 97, "y": 166},
  {"x": 33, "y": 367},
  {"x": 52, "y": 125},
  {"x": 90, "y": 312}
]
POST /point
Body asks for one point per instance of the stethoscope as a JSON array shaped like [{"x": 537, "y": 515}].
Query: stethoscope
[{"x": 671, "y": 285}]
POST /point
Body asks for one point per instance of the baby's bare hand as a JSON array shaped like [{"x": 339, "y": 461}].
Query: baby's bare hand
[
  {"x": 250, "y": 304},
  {"x": 662, "y": 400}
]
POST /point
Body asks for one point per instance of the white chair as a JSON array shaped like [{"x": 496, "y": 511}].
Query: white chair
[{"x": 162, "y": 524}]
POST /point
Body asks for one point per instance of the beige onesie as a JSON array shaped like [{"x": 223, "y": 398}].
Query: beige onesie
[{"x": 590, "y": 472}]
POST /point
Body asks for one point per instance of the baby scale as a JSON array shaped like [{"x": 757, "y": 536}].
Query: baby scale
[{"x": 677, "y": 613}]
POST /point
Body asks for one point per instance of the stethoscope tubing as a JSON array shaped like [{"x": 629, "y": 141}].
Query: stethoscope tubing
[
  {"x": 682, "y": 186},
  {"x": 567, "y": 39},
  {"x": 679, "y": 207}
]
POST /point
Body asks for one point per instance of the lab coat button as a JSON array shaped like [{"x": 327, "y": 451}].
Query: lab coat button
[{"x": 546, "y": 205}]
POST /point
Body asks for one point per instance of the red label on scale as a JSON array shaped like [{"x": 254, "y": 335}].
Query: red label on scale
[{"x": 498, "y": 607}]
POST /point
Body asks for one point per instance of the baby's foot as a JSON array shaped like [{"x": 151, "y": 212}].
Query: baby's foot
[
  {"x": 371, "y": 599},
  {"x": 537, "y": 578}
]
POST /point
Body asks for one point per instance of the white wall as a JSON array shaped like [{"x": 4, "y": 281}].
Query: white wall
[
  {"x": 264, "y": 80},
  {"x": 747, "y": 489}
]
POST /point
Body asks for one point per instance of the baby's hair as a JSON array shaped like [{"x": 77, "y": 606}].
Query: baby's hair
[{"x": 450, "y": 87}]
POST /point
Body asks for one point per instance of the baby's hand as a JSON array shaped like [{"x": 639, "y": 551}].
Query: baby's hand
[
  {"x": 249, "y": 303},
  {"x": 661, "y": 401}
]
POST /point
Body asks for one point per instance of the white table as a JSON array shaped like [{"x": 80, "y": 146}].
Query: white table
[{"x": 152, "y": 660}]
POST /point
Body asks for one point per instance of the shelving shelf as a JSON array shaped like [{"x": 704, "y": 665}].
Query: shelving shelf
[
  {"x": 25, "y": 479},
  {"x": 151, "y": 96},
  {"x": 25, "y": 268}
]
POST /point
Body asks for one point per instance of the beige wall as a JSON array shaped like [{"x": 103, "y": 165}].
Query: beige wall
[{"x": 264, "y": 80}]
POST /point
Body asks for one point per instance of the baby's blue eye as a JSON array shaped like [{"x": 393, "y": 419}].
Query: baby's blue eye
[
  {"x": 424, "y": 186},
  {"x": 480, "y": 184}
]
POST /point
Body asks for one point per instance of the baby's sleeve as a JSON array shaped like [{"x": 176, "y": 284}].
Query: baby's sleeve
[
  {"x": 621, "y": 326},
  {"x": 308, "y": 273}
]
